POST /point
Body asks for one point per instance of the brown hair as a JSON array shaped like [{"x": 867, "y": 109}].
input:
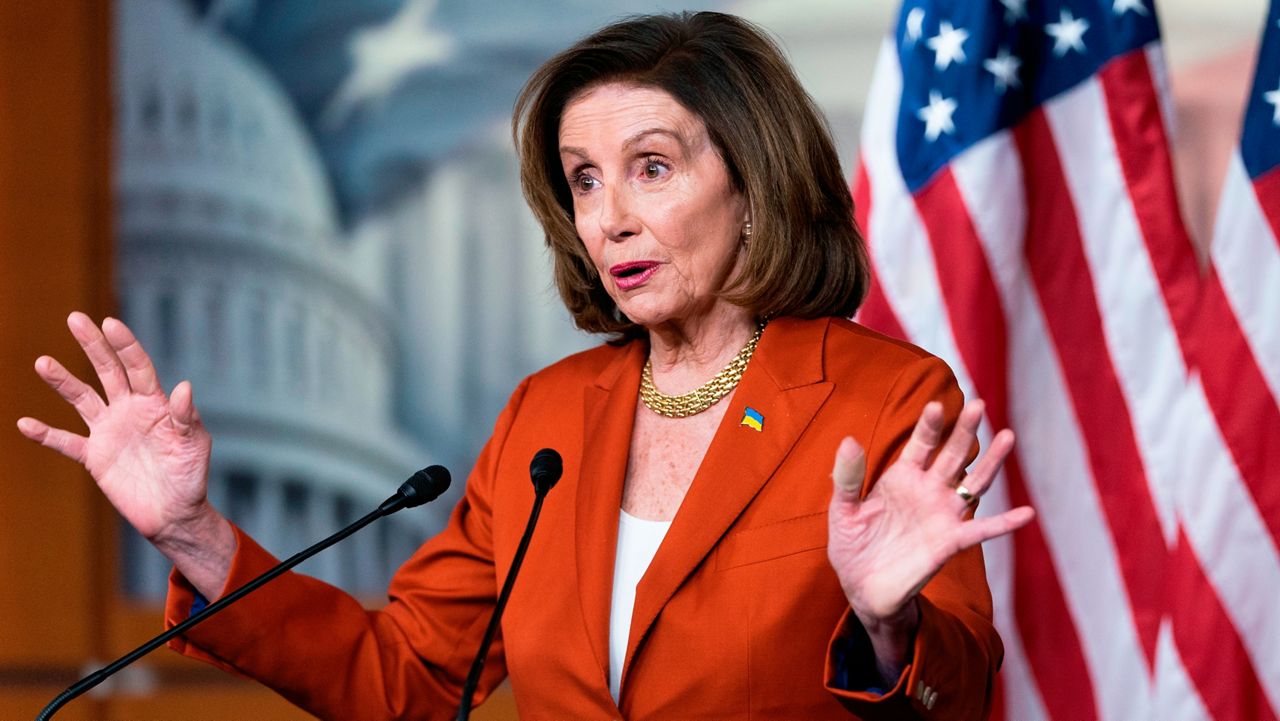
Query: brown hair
[{"x": 806, "y": 257}]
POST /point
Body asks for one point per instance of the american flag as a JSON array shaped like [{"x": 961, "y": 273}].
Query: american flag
[{"x": 1017, "y": 193}]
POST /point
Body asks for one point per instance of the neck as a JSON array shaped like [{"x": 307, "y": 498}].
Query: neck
[{"x": 687, "y": 353}]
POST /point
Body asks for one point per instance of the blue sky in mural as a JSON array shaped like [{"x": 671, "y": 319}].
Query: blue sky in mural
[{"x": 388, "y": 86}]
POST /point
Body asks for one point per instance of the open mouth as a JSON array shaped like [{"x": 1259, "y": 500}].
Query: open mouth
[{"x": 629, "y": 275}]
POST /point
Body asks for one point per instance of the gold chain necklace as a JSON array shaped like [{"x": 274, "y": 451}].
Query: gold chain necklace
[{"x": 703, "y": 397}]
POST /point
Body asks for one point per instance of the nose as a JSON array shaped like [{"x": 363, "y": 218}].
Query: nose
[{"x": 617, "y": 217}]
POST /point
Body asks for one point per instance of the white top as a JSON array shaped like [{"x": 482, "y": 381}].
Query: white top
[{"x": 638, "y": 541}]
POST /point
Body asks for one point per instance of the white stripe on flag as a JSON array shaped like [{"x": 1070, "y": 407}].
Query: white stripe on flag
[
  {"x": 1176, "y": 698},
  {"x": 1051, "y": 449},
  {"x": 902, "y": 255},
  {"x": 1061, "y": 485},
  {"x": 1164, "y": 94},
  {"x": 1141, "y": 341},
  {"x": 1230, "y": 538},
  {"x": 1247, "y": 257}
]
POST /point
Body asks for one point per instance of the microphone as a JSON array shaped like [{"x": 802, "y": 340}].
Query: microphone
[
  {"x": 422, "y": 487},
  {"x": 544, "y": 470}
]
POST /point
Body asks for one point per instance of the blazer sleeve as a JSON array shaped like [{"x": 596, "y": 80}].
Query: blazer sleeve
[
  {"x": 957, "y": 650},
  {"x": 318, "y": 647}
]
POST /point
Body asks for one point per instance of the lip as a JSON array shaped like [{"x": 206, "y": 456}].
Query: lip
[{"x": 639, "y": 272}]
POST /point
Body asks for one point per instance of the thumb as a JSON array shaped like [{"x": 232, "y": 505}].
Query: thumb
[
  {"x": 182, "y": 407},
  {"x": 849, "y": 470}
]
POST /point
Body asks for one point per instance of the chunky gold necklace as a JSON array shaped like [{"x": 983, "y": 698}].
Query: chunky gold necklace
[{"x": 703, "y": 397}]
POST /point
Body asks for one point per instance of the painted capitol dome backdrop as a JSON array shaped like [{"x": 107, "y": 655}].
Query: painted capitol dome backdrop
[
  {"x": 329, "y": 359},
  {"x": 232, "y": 269}
]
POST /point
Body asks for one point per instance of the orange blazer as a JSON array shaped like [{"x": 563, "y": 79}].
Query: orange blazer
[{"x": 736, "y": 618}]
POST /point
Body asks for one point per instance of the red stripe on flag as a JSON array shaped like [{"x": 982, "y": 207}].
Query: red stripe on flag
[
  {"x": 1061, "y": 275},
  {"x": 876, "y": 312},
  {"x": 1053, "y": 648},
  {"x": 1237, "y": 392},
  {"x": 1213, "y": 342},
  {"x": 1133, "y": 109},
  {"x": 1267, "y": 188},
  {"x": 1208, "y": 330},
  {"x": 1224, "y": 676}
]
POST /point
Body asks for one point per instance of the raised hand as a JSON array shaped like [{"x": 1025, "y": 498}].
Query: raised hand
[
  {"x": 886, "y": 547},
  {"x": 148, "y": 452}
]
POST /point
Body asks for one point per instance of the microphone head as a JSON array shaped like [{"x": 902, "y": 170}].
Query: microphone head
[
  {"x": 424, "y": 486},
  {"x": 545, "y": 469}
]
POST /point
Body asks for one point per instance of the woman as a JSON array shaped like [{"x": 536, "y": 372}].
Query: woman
[{"x": 695, "y": 210}]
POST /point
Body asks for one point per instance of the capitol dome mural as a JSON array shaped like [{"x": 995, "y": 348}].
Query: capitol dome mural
[{"x": 235, "y": 274}]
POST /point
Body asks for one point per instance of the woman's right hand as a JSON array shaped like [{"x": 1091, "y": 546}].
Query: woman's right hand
[{"x": 148, "y": 452}]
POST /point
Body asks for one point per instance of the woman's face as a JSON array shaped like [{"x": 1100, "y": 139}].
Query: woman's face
[{"x": 652, "y": 201}]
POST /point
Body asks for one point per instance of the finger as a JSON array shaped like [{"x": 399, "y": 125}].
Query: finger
[
  {"x": 182, "y": 408},
  {"x": 985, "y": 470},
  {"x": 925, "y": 436},
  {"x": 105, "y": 362},
  {"x": 79, "y": 394},
  {"x": 955, "y": 452},
  {"x": 848, "y": 472},
  {"x": 971, "y": 533},
  {"x": 68, "y": 444},
  {"x": 137, "y": 364}
]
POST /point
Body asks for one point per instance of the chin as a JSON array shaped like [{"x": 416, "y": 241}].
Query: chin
[
  {"x": 644, "y": 316},
  {"x": 651, "y": 309}
]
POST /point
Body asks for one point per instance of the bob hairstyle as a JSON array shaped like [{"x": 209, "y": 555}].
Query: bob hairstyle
[{"x": 806, "y": 257}]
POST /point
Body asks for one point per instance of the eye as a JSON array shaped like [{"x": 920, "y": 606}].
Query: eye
[
  {"x": 582, "y": 183},
  {"x": 653, "y": 169}
]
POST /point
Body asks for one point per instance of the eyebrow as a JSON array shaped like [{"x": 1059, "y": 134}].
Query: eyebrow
[
  {"x": 635, "y": 140},
  {"x": 632, "y": 141}
]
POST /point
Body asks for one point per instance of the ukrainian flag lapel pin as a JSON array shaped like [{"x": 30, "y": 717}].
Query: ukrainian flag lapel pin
[{"x": 752, "y": 418}]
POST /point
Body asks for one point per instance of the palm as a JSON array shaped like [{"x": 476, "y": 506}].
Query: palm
[
  {"x": 886, "y": 547},
  {"x": 148, "y": 452},
  {"x": 135, "y": 445}
]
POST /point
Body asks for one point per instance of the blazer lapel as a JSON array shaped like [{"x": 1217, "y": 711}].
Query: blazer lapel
[
  {"x": 783, "y": 383},
  {"x": 608, "y": 416}
]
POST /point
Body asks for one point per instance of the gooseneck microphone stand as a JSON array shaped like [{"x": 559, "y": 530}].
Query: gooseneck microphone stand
[
  {"x": 544, "y": 470},
  {"x": 422, "y": 487}
]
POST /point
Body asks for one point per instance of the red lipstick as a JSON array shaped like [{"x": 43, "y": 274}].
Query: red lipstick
[{"x": 634, "y": 274}]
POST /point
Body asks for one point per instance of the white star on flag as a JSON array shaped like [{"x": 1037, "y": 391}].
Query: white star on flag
[
  {"x": 1005, "y": 67},
  {"x": 1273, "y": 97},
  {"x": 1120, "y": 7},
  {"x": 915, "y": 26},
  {"x": 1014, "y": 10},
  {"x": 1067, "y": 33},
  {"x": 937, "y": 116},
  {"x": 947, "y": 45}
]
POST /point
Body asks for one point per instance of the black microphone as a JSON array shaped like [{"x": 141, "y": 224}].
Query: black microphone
[
  {"x": 422, "y": 487},
  {"x": 544, "y": 470}
]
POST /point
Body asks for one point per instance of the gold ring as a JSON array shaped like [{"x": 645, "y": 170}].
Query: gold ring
[{"x": 965, "y": 494}]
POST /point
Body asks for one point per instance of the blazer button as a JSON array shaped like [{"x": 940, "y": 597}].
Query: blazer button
[
  {"x": 921, "y": 690},
  {"x": 931, "y": 700}
]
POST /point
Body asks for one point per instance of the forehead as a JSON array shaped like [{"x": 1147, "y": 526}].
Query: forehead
[{"x": 613, "y": 113}]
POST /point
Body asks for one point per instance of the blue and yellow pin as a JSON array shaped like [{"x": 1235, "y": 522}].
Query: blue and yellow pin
[{"x": 752, "y": 418}]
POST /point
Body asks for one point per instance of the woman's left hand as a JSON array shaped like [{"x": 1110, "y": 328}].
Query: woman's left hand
[{"x": 886, "y": 547}]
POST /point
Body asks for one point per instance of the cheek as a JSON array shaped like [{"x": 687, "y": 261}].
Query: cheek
[
  {"x": 589, "y": 240},
  {"x": 594, "y": 249}
]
